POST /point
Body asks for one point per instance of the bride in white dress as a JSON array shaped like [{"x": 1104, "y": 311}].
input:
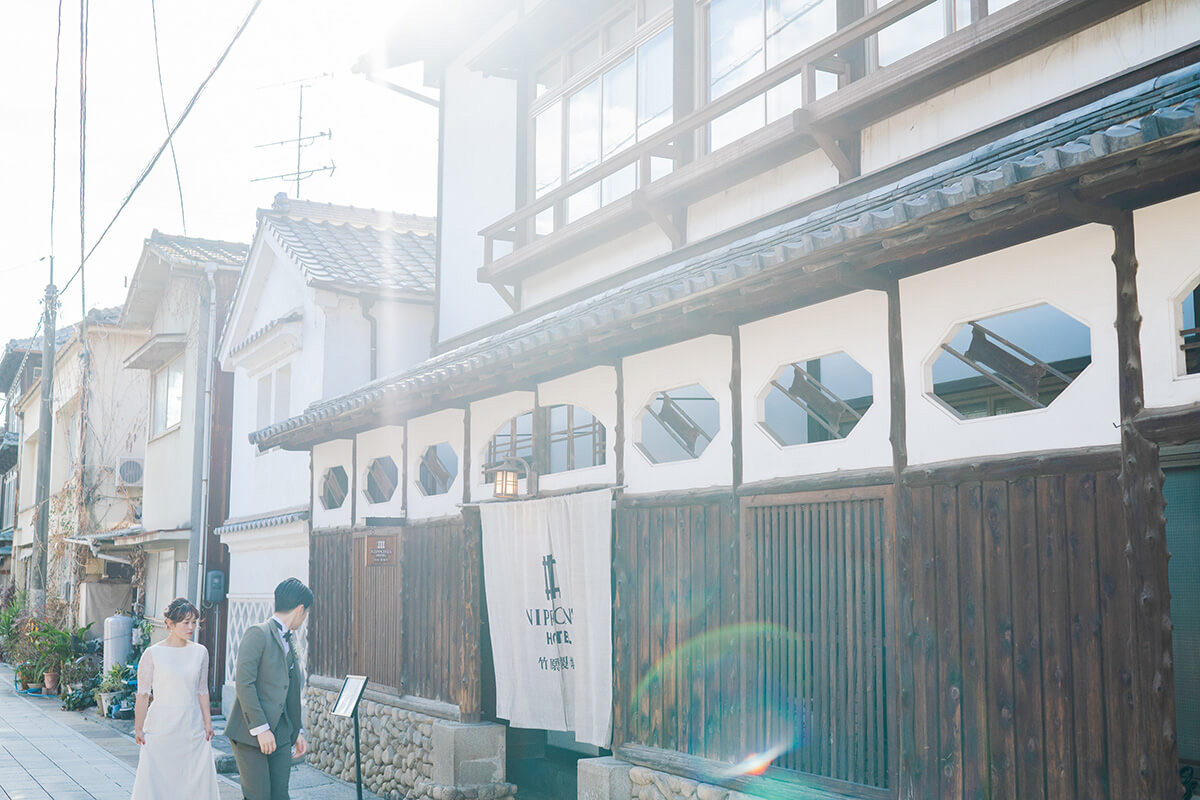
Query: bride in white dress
[{"x": 176, "y": 759}]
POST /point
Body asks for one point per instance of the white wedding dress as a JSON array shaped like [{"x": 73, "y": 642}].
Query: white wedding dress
[{"x": 176, "y": 762}]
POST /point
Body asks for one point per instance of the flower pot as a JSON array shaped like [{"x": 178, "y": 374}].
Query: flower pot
[{"x": 51, "y": 681}]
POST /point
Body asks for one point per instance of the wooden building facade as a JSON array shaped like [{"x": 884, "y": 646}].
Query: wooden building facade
[{"x": 887, "y": 460}]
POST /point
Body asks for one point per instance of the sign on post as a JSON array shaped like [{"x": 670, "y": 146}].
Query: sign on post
[{"x": 346, "y": 705}]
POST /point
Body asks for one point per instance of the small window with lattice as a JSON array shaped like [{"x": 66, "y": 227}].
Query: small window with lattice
[
  {"x": 382, "y": 479},
  {"x": 513, "y": 440},
  {"x": 335, "y": 485},
  {"x": 816, "y": 400},
  {"x": 439, "y": 466},
  {"x": 576, "y": 438},
  {"x": 1010, "y": 363},
  {"x": 678, "y": 424},
  {"x": 1189, "y": 334}
]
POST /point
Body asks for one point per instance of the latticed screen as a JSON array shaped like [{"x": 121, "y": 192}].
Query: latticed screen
[
  {"x": 820, "y": 642},
  {"x": 1182, "y": 493}
]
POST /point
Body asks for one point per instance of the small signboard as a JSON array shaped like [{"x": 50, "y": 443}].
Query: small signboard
[
  {"x": 381, "y": 551},
  {"x": 347, "y": 699}
]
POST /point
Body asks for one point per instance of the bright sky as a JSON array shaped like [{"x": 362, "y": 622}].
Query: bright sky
[{"x": 384, "y": 145}]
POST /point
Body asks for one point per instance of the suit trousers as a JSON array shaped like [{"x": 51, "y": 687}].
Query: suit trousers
[{"x": 263, "y": 777}]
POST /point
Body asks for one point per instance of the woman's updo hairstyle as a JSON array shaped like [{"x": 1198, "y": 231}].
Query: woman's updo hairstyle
[{"x": 180, "y": 609}]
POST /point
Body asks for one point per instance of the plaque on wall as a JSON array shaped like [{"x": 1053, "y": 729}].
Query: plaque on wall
[{"x": 381, "y": 551}]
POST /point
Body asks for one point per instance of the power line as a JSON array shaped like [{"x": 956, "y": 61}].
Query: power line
[
  {"x": 162, "y": 93},
  {"x": 162, "y": 148}
]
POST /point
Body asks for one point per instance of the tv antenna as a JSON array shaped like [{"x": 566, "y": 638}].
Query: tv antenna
[{"x": 301, "y": 139}]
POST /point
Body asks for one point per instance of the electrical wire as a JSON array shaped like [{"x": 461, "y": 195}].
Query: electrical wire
[
  {"x": 162, "y": 148},
  {"x": 162, "y": 93}
]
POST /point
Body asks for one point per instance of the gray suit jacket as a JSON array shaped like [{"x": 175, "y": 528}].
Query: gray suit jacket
[{"x": 264, "y": 688}]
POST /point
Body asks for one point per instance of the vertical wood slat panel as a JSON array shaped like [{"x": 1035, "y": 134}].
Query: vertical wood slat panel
[
  {"x": 946, "y": 570},
  {"x": 997, "y": 566},
  {"x": 1027, "y": 662},
  {"x": 924, "y": 651},
  {"x": 1058, "y": 685},
  {"x": 973, "y": 623},
  {"x": 1119, "y": 644}
]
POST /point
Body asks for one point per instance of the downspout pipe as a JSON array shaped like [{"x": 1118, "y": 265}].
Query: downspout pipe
[
  {"x": 203, "y": 435},
  {"x": 367, "y": 304}
]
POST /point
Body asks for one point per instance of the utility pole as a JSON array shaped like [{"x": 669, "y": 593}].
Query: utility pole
[{"x": 45, "y": 442}]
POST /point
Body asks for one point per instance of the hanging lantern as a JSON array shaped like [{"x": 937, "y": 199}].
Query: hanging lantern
[{"x": 506, "y": 477}]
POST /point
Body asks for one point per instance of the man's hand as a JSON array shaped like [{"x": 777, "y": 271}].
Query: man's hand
[
  {"x": 301, "y": 747},
  {"x": 139, "y": 735},
  {"x": 266, "y": 743}
]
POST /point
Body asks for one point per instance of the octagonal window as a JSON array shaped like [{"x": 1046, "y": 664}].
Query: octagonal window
[
  {"x": 1012, "y": 362},
  {"x": 816, "y": 400},
  {"x": 335, "y": 485},
  {"x": 439, "y": 465},
  {"x": 514, "y": 439},
  {"x": 678, "y": 424},
  {"x": 1189, "y": 334},
  {"x": 382, "y": 479}
]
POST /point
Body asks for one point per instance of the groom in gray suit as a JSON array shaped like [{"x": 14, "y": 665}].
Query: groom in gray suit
[{"x": 264, "y": 723}]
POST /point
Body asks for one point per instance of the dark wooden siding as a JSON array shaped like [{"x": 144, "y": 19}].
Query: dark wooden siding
[
  {"x": 413, "y": 626},
  {"x": 676, "y": 642},
  {"x": 817, "y": 568},
  {"x": 1016, "y": 628}
]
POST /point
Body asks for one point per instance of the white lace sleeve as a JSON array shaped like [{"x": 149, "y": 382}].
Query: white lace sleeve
[
  {"x": 145, "y": 673},
  {"x": 202, "y": 681}
]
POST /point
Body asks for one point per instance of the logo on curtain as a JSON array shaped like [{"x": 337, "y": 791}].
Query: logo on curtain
[{"x": 552, "y": 590}]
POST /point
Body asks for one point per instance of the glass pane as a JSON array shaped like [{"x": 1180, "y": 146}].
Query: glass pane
[
  {"x": 160, "y": 402},
  {"x": 547, "y": 134},
  {"x": 619, "y": 32},
  {"x": 655, "y": 84},
  {"x": 619, "y": 184},
  {"x": 679, "y": 424},
  {"x": 917, "y": 30},
  {"x": 560, "y": 453},
  {"x": 175, "y": 393},
  {"x": 619, "y": 108},
  {"x": 585, "y": 55},
  {"x": 793, "y": 25},
  {"x": 543, "y": 223},
  {"x": 583, "y": 113},
  {"x": 729, "y": 127},
  {"x": 735, "y": 44}
]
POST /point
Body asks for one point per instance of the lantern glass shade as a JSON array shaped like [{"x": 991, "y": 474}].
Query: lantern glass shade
[{"x": 506, "y": 482}]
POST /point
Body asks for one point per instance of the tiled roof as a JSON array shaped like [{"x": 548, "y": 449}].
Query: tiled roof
[
  {"x": 256, "y": 523},
  {"x": 342, "y": 247},
  {"x": 293, "y": 316},
  {"x": 189, "y": 250},
  {"x": 1124, "y": 121}
]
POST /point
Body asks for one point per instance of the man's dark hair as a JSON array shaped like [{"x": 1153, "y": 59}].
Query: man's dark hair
[{"x": 292, "y": 593}]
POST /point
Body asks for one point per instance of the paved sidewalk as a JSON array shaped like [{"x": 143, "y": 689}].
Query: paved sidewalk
[{"x": 50, "y": 754}]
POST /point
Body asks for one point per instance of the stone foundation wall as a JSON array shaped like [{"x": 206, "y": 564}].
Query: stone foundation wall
[
  {"x": 401, "y": 752},
  {"x": 648, "y": 784}
]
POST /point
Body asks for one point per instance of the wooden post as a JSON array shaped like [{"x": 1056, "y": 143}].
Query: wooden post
[{"x": 1152, "y": 746}]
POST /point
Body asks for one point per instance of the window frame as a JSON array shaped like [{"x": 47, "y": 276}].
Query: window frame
[
  {"x": 571, "y": 85},
  {"x": 421, "y": 467},
  {"x": 596, "y": 431},
  {"x": 164, "y": 372}
]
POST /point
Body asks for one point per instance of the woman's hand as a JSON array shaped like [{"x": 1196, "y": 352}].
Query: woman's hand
[
  {"x": 139, "y": 735},
  {"x": 208, "y": 730}
]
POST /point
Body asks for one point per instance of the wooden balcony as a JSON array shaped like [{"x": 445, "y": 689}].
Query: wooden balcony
[{"x": 831, "y": 123}]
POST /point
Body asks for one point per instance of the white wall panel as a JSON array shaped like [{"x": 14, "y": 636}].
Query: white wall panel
[
  {"x": 325, "y": 456},
  {"x": 424, "y": 432},
  {"x": 486, "y": 418},
  {"x": 373, "y": 444},
  {"x": 596, "y": 391}
]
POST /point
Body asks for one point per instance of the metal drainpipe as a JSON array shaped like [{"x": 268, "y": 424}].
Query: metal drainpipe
[
  {"x": 199, "y": 516},
  {"x": 367, "y": 304},
  {"x": 205, "y": 478}
]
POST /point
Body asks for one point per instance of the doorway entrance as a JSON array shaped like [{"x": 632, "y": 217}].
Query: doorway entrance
[{"x": 1181, "y": 490}]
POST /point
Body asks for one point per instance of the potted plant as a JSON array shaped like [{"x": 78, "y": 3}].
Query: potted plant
[
  {"x": 25, "y": 674},
  {"x": 110, "y": 686}
]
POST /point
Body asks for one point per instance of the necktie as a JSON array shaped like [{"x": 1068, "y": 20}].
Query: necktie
[{"x": 291, "y": 650}]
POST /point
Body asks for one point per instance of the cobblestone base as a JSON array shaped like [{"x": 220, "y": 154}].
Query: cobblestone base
[{"x": 651, "y": 785}]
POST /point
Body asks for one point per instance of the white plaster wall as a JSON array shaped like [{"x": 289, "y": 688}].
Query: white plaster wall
[
  {"x": 478, "y": 180},
  {"x": 377, "y": 443},
  {"x": 423, "y": 432},
  {"x": 167, "y": 488},
  {"x": 325, "y": 456},
  {"x": 486, "y": 418},
  {"x": 855, "y": 324},
  {"x": 1070, "y": 270},
  {"x": 347, "y": 345},
  {"x": 770, "y": 191},
  {"x": 118, "y": 399},
  {"x": 1104, "y": 50},
  {"x": 260, "y": 559},
  {"x": 404, "y": 336},
  {"x": 707, "y": 361},
  {"x": 593, "y": 389},
  {"x": 1168, "y": 254},
  {"x": 573, "y": 273}
]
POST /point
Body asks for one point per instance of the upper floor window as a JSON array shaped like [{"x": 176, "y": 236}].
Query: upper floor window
[
  {"x": 748, "y": 37},
  {"x": 439, "y": 465},
  {"x": 513, "y": 440},
  {"x": 816, "y": 400},
  {"x": 595, "y": 100},
  {"x": 274, "y": 396},
  {"x": 168, "y": 397},
  {"x": 678, "y": 424},
  {"x": 1190, "y": 332},
  {"x": 576, "y": 439}
]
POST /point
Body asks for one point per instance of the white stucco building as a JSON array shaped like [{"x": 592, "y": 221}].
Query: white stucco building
[{"x": 331, "y": 297}]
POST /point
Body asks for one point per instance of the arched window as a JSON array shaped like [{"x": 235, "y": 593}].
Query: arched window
[{"x": 513, "y": 440}]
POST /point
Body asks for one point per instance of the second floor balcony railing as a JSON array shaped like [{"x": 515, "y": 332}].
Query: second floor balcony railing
[{"x": 679, "y": 164}]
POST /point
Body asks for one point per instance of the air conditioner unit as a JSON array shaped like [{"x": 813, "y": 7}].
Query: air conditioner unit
[{"x": 130, "y": 472}]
